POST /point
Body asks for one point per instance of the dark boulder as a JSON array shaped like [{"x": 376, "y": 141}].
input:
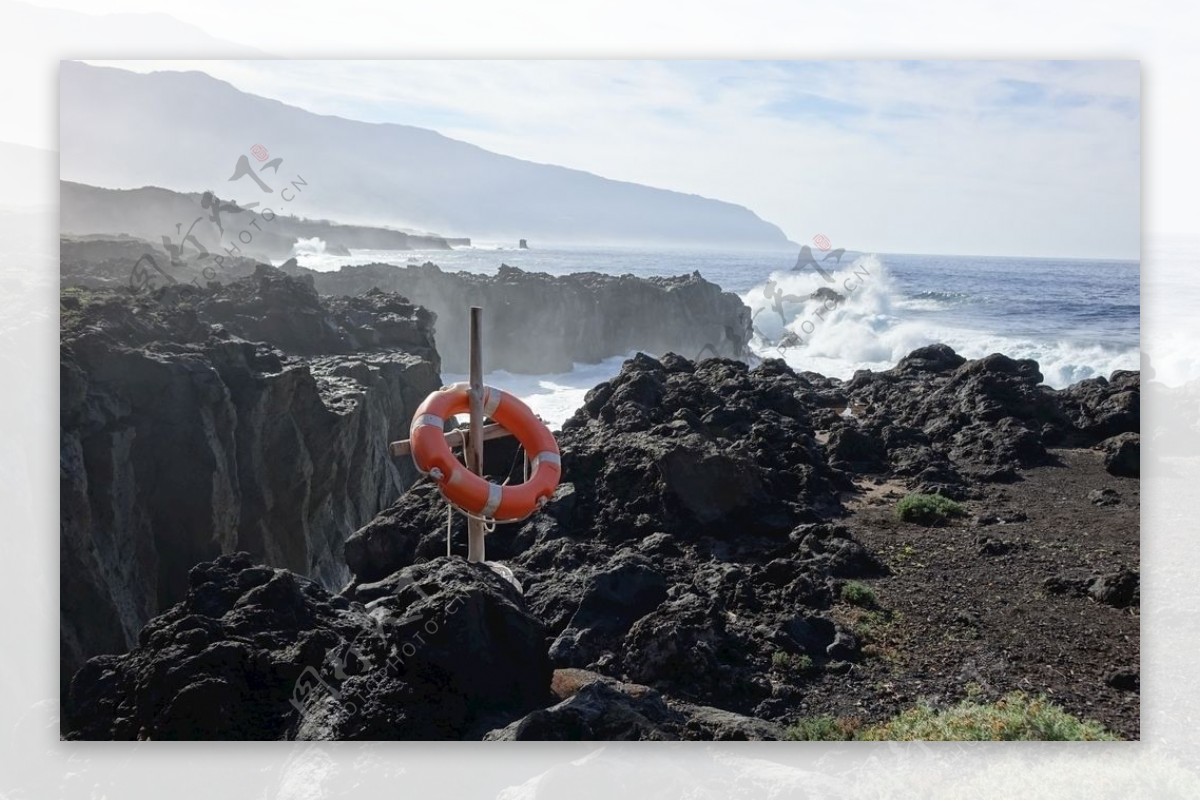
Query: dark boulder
[
  {"x": 855, "y": 450},
  {"x": 1100, "y": 408},
  {"x": 1127, "y": 679},
  {"x": 828, "y": 549},
  {"x": 1072, "y": 581},
  {"x": 612, "y": 600},
  {"x": 1120, "y": 587},
  {"x": 600, "y": 710},
  {"x": 685, "y": 646},
  {"x": 931, "y": 359},
  {"x": 440, "y": 651},
  {"x": 812, "y": 635},
  {"x": 698, "y": 447},
  {"x": 221, "y": 664},
  {"x": 830, "y": 297},
  {"x": 595, "y": 707},
  {"x": 708, "y": 482},
  {"x": 465, "y": 654},
  {"x": 1123, "y": 455},
  {"x": 393, "y": 539},
  {"x": 984, "y": 418}
]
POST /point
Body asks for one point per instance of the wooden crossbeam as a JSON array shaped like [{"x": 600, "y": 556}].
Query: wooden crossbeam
[{"x": 454, "y": 439}]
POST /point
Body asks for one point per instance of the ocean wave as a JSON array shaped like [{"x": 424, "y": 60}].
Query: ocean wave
[
  {"x": 314, "y": 246},
  {"x": 311, "y": 253},
  {"x": 484, "y": 247},
  {"x": 956, "y": 297},
  {"x": 552, "y": 397},
  {"x": 867, "y": 329},
  {"x": 934, "y": 301}
]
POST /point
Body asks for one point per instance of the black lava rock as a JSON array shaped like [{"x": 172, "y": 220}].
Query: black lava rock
[
  {"x": 440, "y": 651},
  {"x": 1123, "y": 455}
]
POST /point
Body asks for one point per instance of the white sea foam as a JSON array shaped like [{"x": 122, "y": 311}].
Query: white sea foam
[
  {"x": 553, "y": 397},
  {"x": 870, "y": 330},
  {"x": 486, "y": 246},
  {"x": 875, "y": 327},
  {"x": 308, "y": 248},
  {"x": 315, "y": 257}
]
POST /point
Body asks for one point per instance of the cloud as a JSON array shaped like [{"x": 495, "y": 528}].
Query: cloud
[{"x": 1014, "y": 157}]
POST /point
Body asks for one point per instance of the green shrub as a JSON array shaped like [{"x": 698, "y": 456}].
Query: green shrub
[
  {"x": 783, "y": 661},
  {"x": 1014, "y": 717},
  {"x": 869, "y": 625},
  {"x": 821, "y": 727},
  {"x": 859, "y": 594},
  {"x": 928, "y": 510}
]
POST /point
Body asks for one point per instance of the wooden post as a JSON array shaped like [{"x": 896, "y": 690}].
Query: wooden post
[{"x": 474, "y": 454}]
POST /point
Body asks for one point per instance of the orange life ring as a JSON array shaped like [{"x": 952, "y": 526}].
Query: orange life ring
[{"x": 459, "y": 485}]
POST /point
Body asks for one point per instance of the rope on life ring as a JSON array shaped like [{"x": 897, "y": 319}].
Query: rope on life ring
[{"x": 474, "y": 495}]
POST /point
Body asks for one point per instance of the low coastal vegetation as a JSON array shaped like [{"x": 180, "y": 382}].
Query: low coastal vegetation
[
  {"x": 72, "y": 304},
  {"x": 824, "y": 727},
  {"x": 859, "y": 594},
  {"x": 928, "y": 510},
  {"x": 792, "y": 663},
  {"x": 863, "y": 615},
  {"x": 1016, "y": 716}
]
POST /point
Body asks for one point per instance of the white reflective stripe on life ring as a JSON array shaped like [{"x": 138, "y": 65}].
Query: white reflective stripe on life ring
[
  {"x": 491, "y": 400},
  {"x": 426, "y": 420},
  {"x": 491, "y": 396},
  {"x": 495, "y": 495},
  {"x": 550, "y": 457}
]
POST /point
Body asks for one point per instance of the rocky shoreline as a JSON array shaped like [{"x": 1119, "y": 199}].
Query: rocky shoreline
[
  {"x": 538, "y": 323},
  {"x": 252, "y": 416},
  {"x": 722, "y": 560}
]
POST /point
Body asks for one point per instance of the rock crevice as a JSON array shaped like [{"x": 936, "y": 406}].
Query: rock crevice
[{"x": 252, "y": 416}]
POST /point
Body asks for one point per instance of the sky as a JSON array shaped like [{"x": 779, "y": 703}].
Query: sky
[{"x": 1019, "y": 158}]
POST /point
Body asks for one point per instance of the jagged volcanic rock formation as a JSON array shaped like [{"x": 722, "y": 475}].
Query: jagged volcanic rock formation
[
  {"x": 538, "y": 323},
  {"x": 121, "y": 261},
  {"x": 438, "y": 651},
  {"x": 945, "y": 421},
  {"x": 253, "y": 416},
  {"x": 694, "y": 545},
  {"x": 689, "y": 544},
  {"x": 684, "y": 582},
  {"x": 596, "y": 707}
]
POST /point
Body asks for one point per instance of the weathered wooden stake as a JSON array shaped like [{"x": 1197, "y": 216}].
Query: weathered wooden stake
[{"x": 474, "y": 454}]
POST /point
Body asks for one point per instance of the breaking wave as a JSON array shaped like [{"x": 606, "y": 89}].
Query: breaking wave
[
  {"x": 871, "y": 325},
  {"x": 308, "y": 247}
]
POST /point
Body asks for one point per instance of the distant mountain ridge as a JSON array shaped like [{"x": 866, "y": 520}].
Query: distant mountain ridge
[
  {"x": 190, "y": 132},
  {"x": 151, "y": 213}
]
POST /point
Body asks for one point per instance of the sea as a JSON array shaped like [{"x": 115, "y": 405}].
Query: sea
[{"x": 1078, "y": 318}]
